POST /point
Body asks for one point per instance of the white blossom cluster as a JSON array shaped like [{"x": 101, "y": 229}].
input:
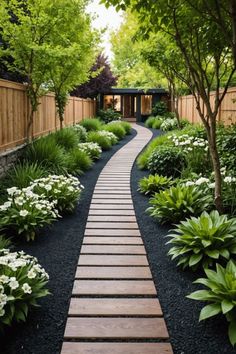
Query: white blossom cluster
[
  {"x": 88, "y": 148},
  {"x": 114, "y": 121},
  {"x": 109, "y": 135},
  {"x": 188, "y": 143},
  {"x": 57, "y": 183},
  {"x": 169, "y": 124},
  {"x": 18, "y": 269},
  {"x": 209, "y": 183},
  {"x": 80, "y": 130}
]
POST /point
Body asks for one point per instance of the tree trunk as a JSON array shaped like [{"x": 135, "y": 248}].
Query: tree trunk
[
  {"x": 30, "y": 125},
  {"x": 61, "y": 122}
]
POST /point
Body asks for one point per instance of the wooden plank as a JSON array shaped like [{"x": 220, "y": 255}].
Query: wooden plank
[
  {"x": 116, "y": 218},
  {"x": 113, "y": 273},
  {"x": 115, "y": 260},
  {"x": 107, "y": 212},
  {"x": 113, "y": 307},
  {"x": 113, "y": 196},
  {"x": 111, "y": 206},
  {"x": 111, "y": 232},
  {"x": 112, "y": 249},
  {"x": 79, "y": 327},
  {"x": 113, "y": 240},
  {"x": 113, "y": 287},
  {"x": 112, "y": 201},
  {"x": 118, "y": 193},
  {"x": 111, "y": 225},
  {"x": 116, "y": 348}
]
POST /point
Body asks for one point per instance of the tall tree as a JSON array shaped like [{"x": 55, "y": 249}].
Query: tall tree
[
  {"x": 101, "y": 79},
  {"x": 207, "y": 56}
]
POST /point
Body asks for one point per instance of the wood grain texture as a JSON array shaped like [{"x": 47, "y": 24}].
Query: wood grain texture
[
  {"x": 114, "y": 260},
  {"x": 112, "y": 249},
  {"x": 83, "y": 272}
]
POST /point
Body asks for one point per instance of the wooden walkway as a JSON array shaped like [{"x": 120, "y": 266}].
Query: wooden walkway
[{"x": 114, "y": 307}]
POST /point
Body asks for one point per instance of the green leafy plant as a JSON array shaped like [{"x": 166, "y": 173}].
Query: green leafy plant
[
  {"x": 157, "y": 123},
  {"x": 109, "y": 115},
  {"x": 22, "y": 282},
  {"x": 67, "y": 138},
  {"x": 149, "y": 122},
  {"x": 127, "y": 126},
  {"x": 177, "y": 203},
  {"x": 91, "y": 124},
  {"x": 23, "y": 173},
  {"x": 78, "y": 161},
  {"x": 93, "y": 150},
  {"x": 154, "y": 122},
  {"x": 169, "y": 124},
  {"x": 81, "y": 132},
  {"x": 64, "y": 191},
  {"x": 25, "y": 212},
  {"x": 166, "y": 161},
  {"x": 221, "y": 294},
  {"x": 115, "y": 128},
  {"x": 200, "y": 241},
  {"x": 4, "y": 242},
  {"x": 101, "y": 139},
  {"x": 154, "y": 183},
  {"x": 46, "y": 152},
  {"x": 159, "y": 109}
]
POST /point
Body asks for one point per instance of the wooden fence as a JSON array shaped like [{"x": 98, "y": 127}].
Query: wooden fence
[
  {"x": 227, "y": 112},
  {"x": 14, "y": 106}
]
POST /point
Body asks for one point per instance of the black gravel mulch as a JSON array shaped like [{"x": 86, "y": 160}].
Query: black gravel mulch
[
  {"x": 57, "y": 249},
  {"x": 188, "y": 335}
]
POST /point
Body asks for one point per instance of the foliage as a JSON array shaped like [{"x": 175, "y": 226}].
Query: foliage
[
  {"x": 102, "y": 140},
  {"x": 93, "y": 150},
  {"x": 154, "y": 184},
  {"x": 46, "y": 152},
  {"x": 166, "y": 161},
  {"x": 226, "y": 142},
  {"x": 221, "y": 295},
  {"x": 101, "y": 78},
  {"x": 91, "y": 124},
  {"x": 78, "y": 161},
  {"x": 109, "y": 115},
  {"x": 200, "y": 241},
  {"x": 116, "y": 128},
  {"x": 23, "y": 173},
  {"x": 177, "y": 203},
  {"x": 81, "y": 132},
  {"x": 4, "y": 242},
  {"x": 22, "y": 282},
  {"x": 25, "y": 212},
  {"x": 154, "y": 122},
  {"x": 159, "y": 109},
  {"x": 127, "y": 126},
  {"x": 64, "y": 191},
  {"x": 169, "y": 124},
  {"x": 66, "y": 138}
]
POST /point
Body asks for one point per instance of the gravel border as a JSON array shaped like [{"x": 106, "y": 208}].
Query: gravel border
[
  {"x": 187, "y": 335},
  {"x": 57, "y": 249}
]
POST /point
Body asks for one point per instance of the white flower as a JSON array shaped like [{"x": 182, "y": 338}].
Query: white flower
[
  {"x": 26, "y": 288},
  {"x": 24, "y": 213},
  {"x": 201, "y": 180},
  {"x": 48, "y": 187},
  {"x": 31, "y": 274},
  {"x": 2, "y": 312},
  {"x": 189, "y": 183},
  {"x": 38, "y": 206},
  {"x": 4, "y": 279},
  {"x": 211, "y": 185},
  {"x": 13, "y": 283},
  {"x": 12, "y": 190},
  {"x": 3, "y": 300}
]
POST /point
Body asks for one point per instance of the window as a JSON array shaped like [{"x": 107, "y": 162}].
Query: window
[{"x": 146, "y": 104}]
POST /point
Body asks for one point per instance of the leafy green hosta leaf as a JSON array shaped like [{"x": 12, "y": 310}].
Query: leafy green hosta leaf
[
  {"x": 232, "y": 332},
  {"x": 226, "y": 306},
  {"x": 209, "y": 311}
]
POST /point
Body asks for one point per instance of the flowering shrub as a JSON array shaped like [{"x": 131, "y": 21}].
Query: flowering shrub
[
  {"x": 25, "y": 211},
  {"x": 91, "y": 149},
  {"x": 101, "y": 139},
  {"x": 63, "y": 191},
  {"x": 108, "y": 135},
  {"x": 188, "y": 143},
  {"x": 169, "y": 124},
  {"x": 81, "y": 132},
  {"x": 117, "y": 129},
  {"x": 22, "y": 282}
]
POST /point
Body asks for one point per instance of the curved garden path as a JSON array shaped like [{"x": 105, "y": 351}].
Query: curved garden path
[{"x": 114, "y": 307}]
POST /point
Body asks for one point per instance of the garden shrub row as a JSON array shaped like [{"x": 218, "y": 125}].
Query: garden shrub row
[
  {"x": 180, "y": 188},
  {"x": 40, "y": 189}
]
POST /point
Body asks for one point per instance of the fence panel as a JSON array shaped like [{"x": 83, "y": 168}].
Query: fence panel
[
  {"x": 227, "y": 111},
  {"x": 14, "y": 107}
]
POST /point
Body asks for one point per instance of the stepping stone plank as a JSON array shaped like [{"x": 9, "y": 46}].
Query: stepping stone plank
[
  {"x": 108, "y": 249},
  {"x": 113, "y": 273},
  {"x": 114, "y": 307},
  {"x": 82, "y": 328},
  {"x": 119, "y": 218},
  {"x": 113, "y": 287},
  {"x": 114, "y": 260},
  {"x": 113, "y": 240},
  {"x": 111, "y": 232},
  {"x": 111, "y": 206},
  {"x": 103, "y": 212},
  {"x": 116, "y": 348},
  {"x": 111, "y": 225}
]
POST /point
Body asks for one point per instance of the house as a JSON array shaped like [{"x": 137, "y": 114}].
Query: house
[{"x": 135, "y": 105}]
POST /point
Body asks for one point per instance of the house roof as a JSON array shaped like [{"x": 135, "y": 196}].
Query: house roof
[{"x": 129, "y": 91}]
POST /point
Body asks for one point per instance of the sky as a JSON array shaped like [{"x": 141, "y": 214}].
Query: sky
[{"x": 104, "y": 17}]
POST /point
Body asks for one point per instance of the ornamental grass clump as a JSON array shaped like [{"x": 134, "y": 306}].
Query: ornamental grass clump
[
  {"x": 101, "y": 139},
  {"x": 66, "y": 138},
  {"x": 22, "y": 282},
  {"x": 149, "y": 122},
  {"x": 220, "y": 294},
  {"x": 77, "y": 161},
  {"x": 64, "y": 191},
  {"x": 25, "y": 212},
  {"x": 127, "y": 126},
  {"x": 154, "y": 183},
  {"x": 166, "y": 161},
  {"x": 199, "y": 242},
  {"x": 115, "y": 128},
  {"x": 23, "y": 173},
  {"x": 81, "y": 132},
  {"x": 91, "y": 124},
  {"x": 93, "y": 150},
  {"x": 178, "y": 203}
]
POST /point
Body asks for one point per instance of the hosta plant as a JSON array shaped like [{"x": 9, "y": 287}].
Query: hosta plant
[
  {"x": 221, "y": 295},
  {"x": 93, "y": 150},
  {"x": 25, "y": 212},
  {"x": 22, "y": 282},
  {"x": 154, "y": 183},
  {"x": 178, "y": 203},
  {"x": 200, "y": 241},
  {"x": 64, "y": 191}
]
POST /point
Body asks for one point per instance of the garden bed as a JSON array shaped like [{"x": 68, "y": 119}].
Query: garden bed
[
  {"x": 57, "y": 249},
  {"x": 188, "y": 336}
]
